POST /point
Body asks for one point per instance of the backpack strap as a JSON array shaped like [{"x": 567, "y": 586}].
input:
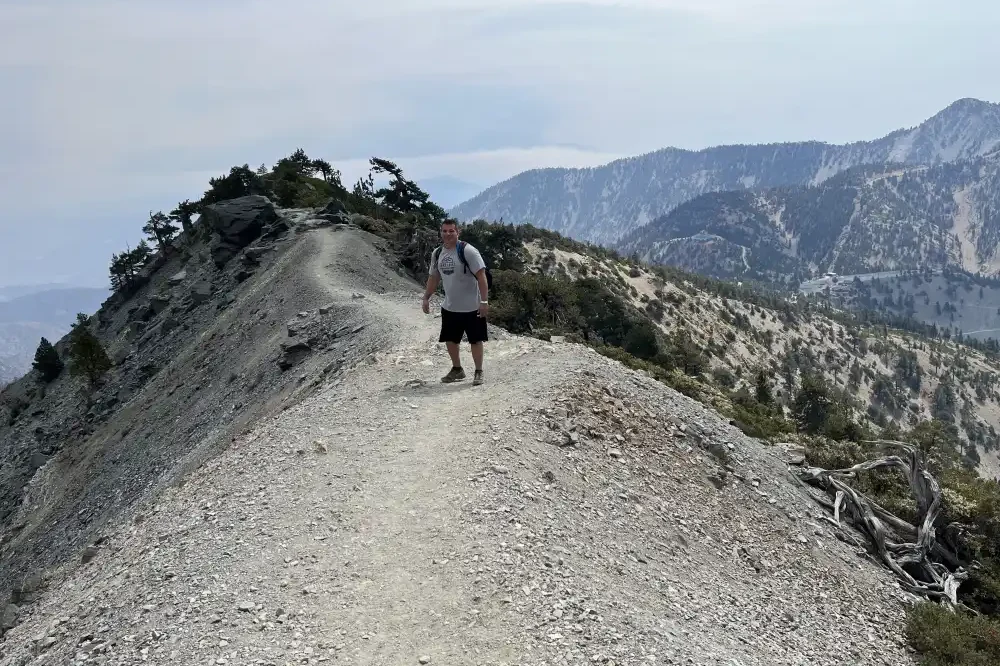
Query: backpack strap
[
  {"x": 435, "y": 254},
  {"x": 461, "y": 256}
]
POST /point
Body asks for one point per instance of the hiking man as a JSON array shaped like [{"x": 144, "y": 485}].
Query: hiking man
[{"x": 460, "y": 268}]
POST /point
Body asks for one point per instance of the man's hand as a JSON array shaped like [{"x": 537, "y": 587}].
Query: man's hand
[
  {"x": 484, "y": 310},
  {"x": 426, "y": 304}
]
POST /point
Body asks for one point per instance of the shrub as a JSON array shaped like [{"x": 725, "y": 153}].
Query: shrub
[
  {"x": 724, "y": 377},
  {"x": 942, "y": 637}
]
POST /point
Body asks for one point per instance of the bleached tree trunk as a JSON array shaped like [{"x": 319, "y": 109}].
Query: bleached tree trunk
[{"x": 923, "y": 565}]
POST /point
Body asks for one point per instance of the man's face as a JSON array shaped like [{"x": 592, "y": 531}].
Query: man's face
[{"x": 449, "y": 234}]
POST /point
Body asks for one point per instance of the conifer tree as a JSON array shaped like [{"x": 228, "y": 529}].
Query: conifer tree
[
  {"x": 87, "y": 357},
  {"x": 330, "y": 174},
  {"x": 160, "y": 229},
  {"x": 183, "y": 213},
  {"x": 47, "y": 361}
]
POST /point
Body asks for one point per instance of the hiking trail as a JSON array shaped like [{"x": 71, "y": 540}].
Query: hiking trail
[{"x": 566, "y": 512}]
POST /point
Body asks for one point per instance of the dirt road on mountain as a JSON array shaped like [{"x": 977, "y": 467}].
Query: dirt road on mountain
[{"x": 566, "y": 512}]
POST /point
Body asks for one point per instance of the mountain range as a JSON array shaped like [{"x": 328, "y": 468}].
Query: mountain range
[{"x": 608, "y": 203}]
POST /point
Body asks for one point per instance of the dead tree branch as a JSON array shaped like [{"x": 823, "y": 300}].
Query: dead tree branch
[{"x": 911, "y": 552}]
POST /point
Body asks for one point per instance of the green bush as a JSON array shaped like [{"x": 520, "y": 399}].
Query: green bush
[
  {"x": 724, "y": 377},
  {"x": 944, "y": 638}
]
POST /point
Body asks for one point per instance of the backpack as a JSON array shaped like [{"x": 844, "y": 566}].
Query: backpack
[{"x": 465, "y": 264}]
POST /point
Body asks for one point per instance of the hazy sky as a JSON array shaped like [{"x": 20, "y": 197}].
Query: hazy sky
[{"x": 110, "y": 108}]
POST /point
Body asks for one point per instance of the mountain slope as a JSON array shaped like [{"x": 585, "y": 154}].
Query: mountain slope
[
  {"x": 392, "y": 519},
  {"x": 868, "y": 219},
  {"x": 602, "y": 204}
]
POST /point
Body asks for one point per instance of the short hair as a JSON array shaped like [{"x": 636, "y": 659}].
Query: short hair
[{"x": 449, "y": 220}]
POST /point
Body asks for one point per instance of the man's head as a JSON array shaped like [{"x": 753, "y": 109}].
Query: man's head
[{"x": 449, "y": 233}]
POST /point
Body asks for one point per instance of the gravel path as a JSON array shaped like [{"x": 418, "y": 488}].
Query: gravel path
[{"x": 567, "y": 512}]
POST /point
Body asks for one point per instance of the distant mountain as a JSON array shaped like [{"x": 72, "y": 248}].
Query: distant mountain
[
  {"x": 10, "y": 292},
  {"x": 48, "y": 313},
  {"x": 867, "y": 219},
  {"x": 602, "y": 204}
]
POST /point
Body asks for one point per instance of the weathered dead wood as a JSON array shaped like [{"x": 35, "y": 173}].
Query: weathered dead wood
[{"x": 923, "y": 565}]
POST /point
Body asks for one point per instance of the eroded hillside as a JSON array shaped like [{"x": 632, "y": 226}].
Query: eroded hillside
[
  {"x": 223, "y": 330},
  {"x": 883, "y": 376}
]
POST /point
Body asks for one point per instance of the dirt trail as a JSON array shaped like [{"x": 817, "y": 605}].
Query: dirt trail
[{"x": 391, "y": 519}]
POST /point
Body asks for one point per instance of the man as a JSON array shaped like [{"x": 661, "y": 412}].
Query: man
[{"x": 465, "y": 306}]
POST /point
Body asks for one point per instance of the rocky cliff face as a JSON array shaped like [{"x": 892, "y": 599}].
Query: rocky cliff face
[
  {"x": 604, "y": 203},
  {"x": 216, "y": 333}
]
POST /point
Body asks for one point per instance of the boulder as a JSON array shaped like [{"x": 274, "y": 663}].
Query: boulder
[
  {"x": 38, "y": 460},
  {"x": 335, "y": 207},
  {"x": 8, "y": 619},
  {"x": 169, "y": 324},
  {"x": 158, "y": 303},
  {"x": 201, "y": 292},
  {"x": 292, "y": 354},
  {"x": 178, "y": 278},
  {"x": 238, "y": 222},
  {"x": 255, "y": 253}
]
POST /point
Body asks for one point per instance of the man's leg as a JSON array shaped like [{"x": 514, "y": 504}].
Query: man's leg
[
  {"x": 477, "y": 355},
  {"x": 456, "y": 359},
  {"x": 451, "y": 335},
  {"x": 477, "y": 332}
]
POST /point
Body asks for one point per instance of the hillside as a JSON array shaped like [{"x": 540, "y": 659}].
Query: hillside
[
  {"x": 28, "y": 314},
  {"x": 957, "y": 304},
  {"x": 605, "y": 203},
  {"x": 387, "y": 518},
  {"x": 269, "y": 470},
  {"x": 866, "y": 220},
  {"x": 882, "y": 376}
]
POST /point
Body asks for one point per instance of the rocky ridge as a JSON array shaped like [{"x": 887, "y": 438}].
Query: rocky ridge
[
  {"x": 198, "y": 357},
  {"x": 569, "y": 511}
]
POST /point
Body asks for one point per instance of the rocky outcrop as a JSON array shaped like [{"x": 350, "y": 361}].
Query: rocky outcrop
[{"x": 237, "y": 222}]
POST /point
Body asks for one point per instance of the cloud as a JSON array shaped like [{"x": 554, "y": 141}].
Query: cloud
[{"x": 113, "y": 107}]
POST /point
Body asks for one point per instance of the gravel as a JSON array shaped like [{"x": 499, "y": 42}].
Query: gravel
[{"x": 569, "y": 511}]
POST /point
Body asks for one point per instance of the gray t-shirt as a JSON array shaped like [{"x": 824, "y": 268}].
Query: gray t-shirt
[{"x": 461, "y": 288}]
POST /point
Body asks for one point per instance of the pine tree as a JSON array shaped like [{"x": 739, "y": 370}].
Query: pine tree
[
  {"x": 125, "y": 266},
  {"x": 87, "y": 357},
  {"x": 304, "y": 165},
  {"x": 183, "y": 213},
  {"x": 762, "y": 388},
  {"x": 47, "y": 361},
  {"x": 160, "y": 229},
  {"x": 330, "y": 174},
  {"x": 401, "y": 195}
]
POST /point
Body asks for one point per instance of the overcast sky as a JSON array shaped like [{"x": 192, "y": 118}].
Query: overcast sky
[{"x": 111, "y": 108}]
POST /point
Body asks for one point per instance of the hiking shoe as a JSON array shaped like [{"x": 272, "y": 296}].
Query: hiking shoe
[
  {"x": 454, "y": 375},
  {"x": 478, "y": 379}
]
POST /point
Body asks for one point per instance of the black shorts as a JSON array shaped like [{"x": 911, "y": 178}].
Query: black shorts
[{"x": 456, "y": 324}]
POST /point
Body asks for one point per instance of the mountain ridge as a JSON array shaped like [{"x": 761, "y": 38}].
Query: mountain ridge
[
  {"x": 867, "y": 219},
  {"x": 601, "y": 204}
]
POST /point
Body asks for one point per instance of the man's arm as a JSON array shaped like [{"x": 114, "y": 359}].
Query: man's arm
[
  {"x": 432, "y": 284},
  {"x": 484, "y": 309}
]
